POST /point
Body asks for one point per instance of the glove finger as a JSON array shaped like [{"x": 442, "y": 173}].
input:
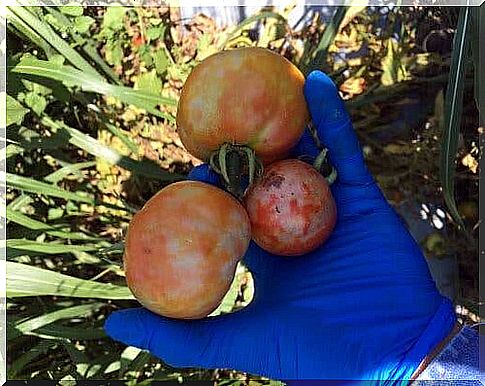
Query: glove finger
[
  {"x": 334, "y": 128},
  {"x": 227, "y": 341},
  {"x": 204, "y": 173}
]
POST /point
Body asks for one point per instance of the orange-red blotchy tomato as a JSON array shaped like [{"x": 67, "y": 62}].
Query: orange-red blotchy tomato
[
  {"x": 182, "y": 249},
  {"x": 291, "y": 209},
  {"x": 245, "y": 96}
]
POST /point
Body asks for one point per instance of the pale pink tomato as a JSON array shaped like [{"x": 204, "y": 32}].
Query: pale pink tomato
[
  {"x": 182, "y": 249},
  {"x": 246, "y": 96}
]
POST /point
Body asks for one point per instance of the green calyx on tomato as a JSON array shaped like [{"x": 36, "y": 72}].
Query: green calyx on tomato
[{"x": 233, "y": 162}]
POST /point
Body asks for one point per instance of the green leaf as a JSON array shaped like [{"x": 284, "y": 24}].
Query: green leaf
[
  {"x": 149, "y": 82},
  {"x": 72, "y": 77},
  {"x": 58, "y": 331},
  {"x": 313, "y": 59},
  {"x": 114, "y": 53},
  {"x": 30, "y": 223},
  {"x": 56, "y": 23},
  {"x": 36, "y": 102},
  {"x": 161, "y": 61},
  {"x": 113, "y": 18},
  {"x": 154, "y": 32},
  {"x": 88, "y": 45},
  {"x": 10, "y": 151},
  {"x": 15, "y": 111},
  {"x": 20, "y": 202},
  {"x": 24, "y": 31},
  {"x": 43, "y": 29},
  {"x": 94, "y": 147},
  {"x": 132, "y": 360},
  {"x": 146, "y": 55},
  {"x": 76, "y": 354},
  {"x": 68, "y": 170},
  {"x": 87, "y": 369},
  {"x": 137, "y": 365},
  {"x": 83, "y": 23},
  {"x": 273, "y": 30},
  {"x": 30, "y": 185},
  {"x": 114, "y": 366},
  {"x": 55, "y": 213},
  {"x": 453, "y": 112},
  {"x": 34, "y": 323},
  {"x": 29, "y": 357},
  {"x": 27, "y": 280},
  {"x": 117, "y": 248},
  {"x": 43, "y": 247},
  {"x": 393, "y": 70},
  {"x": 476, "y": 35},
  {"x": 71, "y": 10}
]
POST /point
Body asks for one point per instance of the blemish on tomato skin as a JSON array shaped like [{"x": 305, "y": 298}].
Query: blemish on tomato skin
[{"x": 273, "y": 180}]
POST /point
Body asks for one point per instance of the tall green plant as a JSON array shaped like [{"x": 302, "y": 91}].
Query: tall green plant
[{"x": 453, "y": 110}]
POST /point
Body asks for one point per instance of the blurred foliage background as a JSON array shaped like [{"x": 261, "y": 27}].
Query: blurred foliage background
[{"x": 91, "y": 100}]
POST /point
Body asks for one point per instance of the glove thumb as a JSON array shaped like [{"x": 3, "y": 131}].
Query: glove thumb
[{"x": 227, "y": 341}]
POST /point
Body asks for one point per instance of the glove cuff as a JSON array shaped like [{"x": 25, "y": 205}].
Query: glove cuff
[{"x": 437, "y": 330}]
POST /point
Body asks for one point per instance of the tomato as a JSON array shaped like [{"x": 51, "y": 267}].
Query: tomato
[
  {"x": 182, "y": 249},
  {"x": 245, "y": 96},
  {"x": 291, "y": 209}
]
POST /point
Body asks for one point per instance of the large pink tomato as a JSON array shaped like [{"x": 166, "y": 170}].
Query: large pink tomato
[
  {"x": 291, "y": 209},
  {"x": 245, "y": 96},
  {"x": 182, "y": 249}
]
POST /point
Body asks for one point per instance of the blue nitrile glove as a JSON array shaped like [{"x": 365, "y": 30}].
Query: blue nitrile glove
[{"x": 363, "y": 306}]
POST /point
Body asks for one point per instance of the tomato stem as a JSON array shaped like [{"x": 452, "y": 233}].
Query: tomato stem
[{"x": 322, "y": 163}]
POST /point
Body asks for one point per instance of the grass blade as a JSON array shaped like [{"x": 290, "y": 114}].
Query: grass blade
[
  {"x": 318, "y": 57},
  {"x": 26, "y": 184},
  {"x": 27, "y": 280},
  {"x": 32, "y": 324},
  {"x": 478, "y": 22},
  {"x": 29, "y": 357},
  {"x": 94, "y": 147},
  {"x": 453, "y": 112},
  {"x": 20, "y": 202},
  {"x": 30, "y": 185},
  {"x": 43, "y": 247},
  {"x": 30, "y": 223},
  {"x": 70, "y": 77},
  {"x": 57, "y": 331},
  {"x": 67, "y": 170},
  {"x": 43, "y": 29},
  {"x": 10, "y": 151},
  {"x": 24, "y": 31}
]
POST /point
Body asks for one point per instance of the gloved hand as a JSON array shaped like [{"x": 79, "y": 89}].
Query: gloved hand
[{"x": 362, "y": 306}]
